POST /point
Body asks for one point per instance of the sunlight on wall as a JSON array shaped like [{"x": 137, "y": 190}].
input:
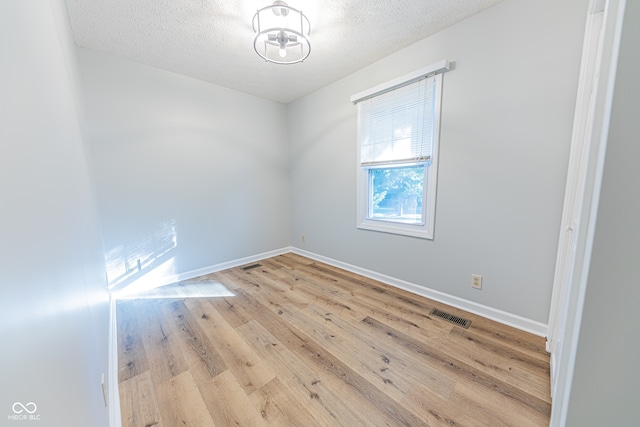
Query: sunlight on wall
[
  {"x": 149, "y": 279},
  {"x": 132, "y": 260},
  {"x": 145, "y": 267}
]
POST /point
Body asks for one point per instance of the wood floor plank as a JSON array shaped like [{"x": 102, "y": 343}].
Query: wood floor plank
[
  {"x": 352, "y": 385},
  {"x": 493, "y": 355},
  {"x": 365, "y": 355},
  {"x": 327, "y": 385},
  {"x": 302, "y": 343},
  {"x": 132, "y": 359},
  {"x": 227, "y": 403},
  {"x": 540, "y": 366},
  {"x": 198, "y": 349},
  {"x": 492, "y": 407},
  {"x": 436, "y": 410},
  {"x": 494, "y": 360},
  {"x": 387, "y": 364},
  {"x": 407, "y": 305},
  {"x": 163, "y": 348},
  {"x": 327, "y": 408},
  {"x": 278, "y": 407},
  {"x": 227, "y": 305},
  {"x": 460, "y": 370},
  {"x": 354, "y": 353},
  {"x": 181, "y": 403},
  {"x": 250, "y": 371},
  {"x": 323, "y": 290},
  {"x": 138, "y": 401}
]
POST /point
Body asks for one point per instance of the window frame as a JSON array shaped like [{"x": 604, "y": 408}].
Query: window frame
[{"x": 429, "y": 187}]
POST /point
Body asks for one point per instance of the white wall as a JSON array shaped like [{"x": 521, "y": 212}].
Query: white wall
[
  {"x": 606, "y": 374},
  {"x": 175, "y": 155},
  {"x": 507, "y": 115},
  {"x": 53, "y": 298}
]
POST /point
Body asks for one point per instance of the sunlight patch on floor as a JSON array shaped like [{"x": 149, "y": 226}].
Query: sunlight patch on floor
[{"x": 196, "y": 289}]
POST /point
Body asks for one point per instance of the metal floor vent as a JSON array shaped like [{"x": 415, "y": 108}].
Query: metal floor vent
[
  {"x": 460, "y": 321},
  {"x": 251, "y": 267}
]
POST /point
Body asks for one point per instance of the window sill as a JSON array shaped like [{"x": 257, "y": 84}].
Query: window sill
[{"x": 418, "y": 231}]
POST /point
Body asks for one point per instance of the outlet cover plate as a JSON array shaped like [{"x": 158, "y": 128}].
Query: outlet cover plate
[{"x": 476, "y": 281}]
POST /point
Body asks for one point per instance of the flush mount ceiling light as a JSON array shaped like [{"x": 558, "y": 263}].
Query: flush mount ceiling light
[{"x": 282, "y": 34}]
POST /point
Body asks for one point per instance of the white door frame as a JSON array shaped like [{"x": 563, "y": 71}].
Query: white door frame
[
  {"x": 576, "y": 185},
  {"x": 591, "y": 128}
]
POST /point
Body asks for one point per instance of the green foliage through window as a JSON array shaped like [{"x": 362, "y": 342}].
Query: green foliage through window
[{"x": 397, "y": 193}]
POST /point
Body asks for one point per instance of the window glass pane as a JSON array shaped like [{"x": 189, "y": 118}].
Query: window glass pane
[{"x": 396, "y": 194}]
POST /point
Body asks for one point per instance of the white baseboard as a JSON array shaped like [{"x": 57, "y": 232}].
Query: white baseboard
[
  {"x": 224, "y": 265},
  {"x": 500, "y": 316},
  {"x": 175, "y": 278}
]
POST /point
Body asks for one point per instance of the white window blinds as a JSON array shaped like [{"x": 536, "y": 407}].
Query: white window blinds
[{"x": 398, "y": 126}]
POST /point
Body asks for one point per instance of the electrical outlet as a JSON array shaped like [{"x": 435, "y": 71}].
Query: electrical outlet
[
  {"x": 476, "y": 281},
  {"x": 303, "y": 238},
  {"x": 104, "y": 392}
]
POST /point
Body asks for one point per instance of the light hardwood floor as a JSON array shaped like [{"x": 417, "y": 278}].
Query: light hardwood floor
[{"x": 306, "y": 344}]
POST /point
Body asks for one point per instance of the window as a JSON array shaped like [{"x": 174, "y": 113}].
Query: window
[{"x": 398, "y": 128}]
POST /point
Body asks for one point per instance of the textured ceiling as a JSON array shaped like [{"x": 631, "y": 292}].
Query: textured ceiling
[{"x": 212, "y": 40}]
